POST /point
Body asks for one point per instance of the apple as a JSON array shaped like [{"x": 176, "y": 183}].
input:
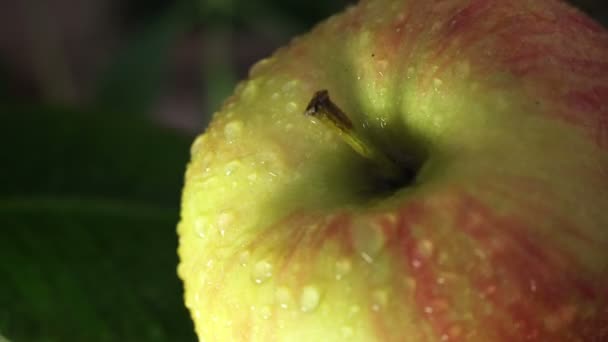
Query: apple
[{"x": 410, "y": 170}]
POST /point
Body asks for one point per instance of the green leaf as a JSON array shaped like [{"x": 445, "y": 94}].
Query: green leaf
[
  {"x": 89, "y": 270},
  {"x": 88, "y": 209},
  {"x": 50, "y": 151}
]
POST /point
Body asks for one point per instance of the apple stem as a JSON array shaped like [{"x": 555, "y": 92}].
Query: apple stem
[{"x": 323, "y": 109}]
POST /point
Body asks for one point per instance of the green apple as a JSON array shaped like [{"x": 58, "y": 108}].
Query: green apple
[{"x": 411, "y": 170}]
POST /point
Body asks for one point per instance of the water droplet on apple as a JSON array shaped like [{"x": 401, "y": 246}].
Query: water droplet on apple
[
  {"x": 265, "y": 312},
  {"x": 224, "y": 221},
  {"x": 275, "y": 96},
  {"x": 309, "y": 298},
  {"x": 410, "y": 72},
  {"x": 233, "y": 130},
  {"x": 232, "y": 167},
  {"x": 453, "y": 332},
  {"x": 347, "y": 332},
  {"x": 437, "y": 82},
  {"x": 368, "y": 240},
  {"x": 197, "y": 145},
  {"x": 262, "y": 271},
  {"x": 425, "y": 248},
  {"x": 343, "y": 267},
  {"x": 250, "y": 89},
  {"x": 368, "y": 259},
  {"x": 382, "y": 123},
  {"x": 200, "y": 227},
  {"x": 533, "y": 286},
  {"x": 283, "y": 297},
  {"x": 244, "y": 258},
  {"x": 291, "y": 107},
  {"x": 379, "y": 299},
  {"x": 289, "y": 86},
  {"x": 260, "y": 66}
]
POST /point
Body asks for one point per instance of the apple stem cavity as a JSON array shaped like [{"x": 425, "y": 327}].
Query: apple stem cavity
[{"x": 324, "y": 110}]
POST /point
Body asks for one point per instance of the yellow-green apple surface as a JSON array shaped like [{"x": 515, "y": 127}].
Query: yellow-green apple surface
[{"x": 411, "y": 170}]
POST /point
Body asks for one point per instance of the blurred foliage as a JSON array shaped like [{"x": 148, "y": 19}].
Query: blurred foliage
[
  {"x": 88, "y": 209},
  {"x": 134, "y": 79},
  {"x": 90, "y": 192}
]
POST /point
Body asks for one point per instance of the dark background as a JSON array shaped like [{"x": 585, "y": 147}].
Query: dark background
[{"x": 99, "y": 101}]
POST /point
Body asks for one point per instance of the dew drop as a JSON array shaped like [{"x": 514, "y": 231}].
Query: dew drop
[
  {"x": 380, "y": 298},
  {"x": 533, "y": 286},
  {"x": 410, "y": 72},
  {"x": 224, "y": 221},
  {"x": 262, "y": 271},
  {"x": 437, "y": 82},
  {"x": 250, "y": 89},
  {"x": 261, "y": 65},
  {"x": 265, "y": 312},
  {"x": 244, "y": 258},
  {"x": 343, "y": 267},
  {"x": 425, "y": 248},
  {"x": 275, "y": 96},
  {"x": 200, "y": 226},
  {"x": 197, "y": 145},
  {"x": 382, "y": 123},
  {"x": 310, "y": 298},
  {"x": 290, "y": 85},
  {"x": 368, "y": 240},
  {"x": 347, "y": 332},
  {"x": 368, "y": 259},
  {"x": 283, "y": 297},
  {"x": 233, "y": 130},
  {"x": 291, "y": 107},
  {"x": 232, "y": 167}
]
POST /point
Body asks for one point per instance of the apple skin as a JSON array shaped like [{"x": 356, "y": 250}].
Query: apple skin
[{"x": 502, "y": 235}]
